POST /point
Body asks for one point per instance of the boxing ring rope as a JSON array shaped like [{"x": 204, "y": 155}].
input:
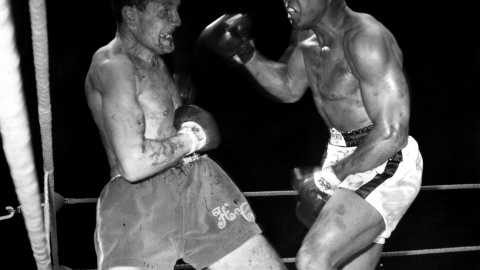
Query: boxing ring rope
[
  {"x": 293, "y": 192},
  {"x": 16, "y": 138},
  {"x": 38, "y": 20}
]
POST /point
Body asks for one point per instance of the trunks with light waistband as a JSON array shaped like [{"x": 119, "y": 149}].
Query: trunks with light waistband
[{"x": 391, "y": 187}]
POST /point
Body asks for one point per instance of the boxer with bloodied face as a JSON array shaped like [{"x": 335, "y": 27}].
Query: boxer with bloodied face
[
  {"x": 372, "y": 168},
  {"x": 165, "y": 201}
]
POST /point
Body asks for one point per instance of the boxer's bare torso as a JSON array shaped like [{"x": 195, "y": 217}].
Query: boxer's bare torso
[
  {"x": 152, "y": 88},
  {"x": 353, "y": 65},
  {"x": 335, "y": 88}
]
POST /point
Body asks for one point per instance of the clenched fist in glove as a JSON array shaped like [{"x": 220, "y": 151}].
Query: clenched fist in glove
[
  {"x": 314, "y": 186},
  {"x": 199, "y": 125},
  {"x": 230, "y": 35}
]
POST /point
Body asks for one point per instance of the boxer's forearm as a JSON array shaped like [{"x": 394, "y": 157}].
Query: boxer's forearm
[
  {"x": 376, "y": 149},
  {"x": 154, "y": 156}
]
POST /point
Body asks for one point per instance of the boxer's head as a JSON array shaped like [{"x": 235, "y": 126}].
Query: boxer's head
[
  {"x": 304, "y": 14},
  {"x": 151, "y": 22},
  {"x": 117, "y": 7}
]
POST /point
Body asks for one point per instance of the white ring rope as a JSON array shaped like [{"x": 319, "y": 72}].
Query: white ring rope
[
  {"x": 40, "y": 53},
  {"x": 46, "y": 211},
  {"x": 16, "y": 138},
  {"x": 294, "y": 192},
  {"x": 38, "y": 17}
]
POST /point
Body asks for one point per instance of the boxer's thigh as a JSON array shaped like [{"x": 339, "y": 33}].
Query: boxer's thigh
[
  {"x": 346, "y": 225},
  {"x": 219, "y": 217},
  {"x": 138, "y": 223},
  {"x": 367, "y": 258}
]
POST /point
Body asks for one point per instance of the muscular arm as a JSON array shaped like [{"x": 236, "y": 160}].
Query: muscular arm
[
  {"x": 287, "y": 79},
  {"x": 136, "y": 156},
  {"x": 375, "y": 60}
]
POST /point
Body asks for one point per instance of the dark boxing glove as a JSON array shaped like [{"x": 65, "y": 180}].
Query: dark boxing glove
[
  {"x": 314, "y": 186},
  {"x": 230, "y": 35},
  {"x": 199, "y": 125}
]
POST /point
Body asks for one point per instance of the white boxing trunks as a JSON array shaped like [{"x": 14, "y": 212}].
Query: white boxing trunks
[{"x": 389, "y": 188}]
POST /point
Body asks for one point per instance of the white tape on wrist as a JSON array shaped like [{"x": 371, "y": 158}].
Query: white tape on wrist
[
  {"x": 196, "y": 133},
  {"x": 192, "y": 138},
  {"x": 326, "y": 180}
]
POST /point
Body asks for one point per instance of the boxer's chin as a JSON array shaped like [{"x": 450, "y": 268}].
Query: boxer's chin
[
  {"x": 294, "y": 23},
  {"x": 164, "y": 49},
  {"x": 298, "y": 26},
  {"x": 168, "y": 49}
]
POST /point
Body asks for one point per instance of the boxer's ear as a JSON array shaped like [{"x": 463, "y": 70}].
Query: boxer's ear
[{"x": 129, "y": 15}]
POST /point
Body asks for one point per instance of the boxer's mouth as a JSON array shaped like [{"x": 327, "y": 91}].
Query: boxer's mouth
[
  {"x": 166, "y": 39},
  {"x": 291, "y": 14},
  {"x": 289, "y": 9}
]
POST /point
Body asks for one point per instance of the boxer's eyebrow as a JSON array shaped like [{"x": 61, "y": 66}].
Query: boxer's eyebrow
[{"x": 168, "y": 3}]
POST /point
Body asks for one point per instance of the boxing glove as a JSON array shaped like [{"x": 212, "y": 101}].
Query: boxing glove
[
  {"x": 199, "y": 125},
  {"x": 314, "y": 186},
  {"x": 230, "y": 35}
]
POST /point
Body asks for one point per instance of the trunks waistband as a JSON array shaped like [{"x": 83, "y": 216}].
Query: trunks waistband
[
  {"x": 185, "y": 160},
  {"x": 349, "y": 138}
]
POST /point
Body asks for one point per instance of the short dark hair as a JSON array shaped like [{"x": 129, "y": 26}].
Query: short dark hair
[{"x": 117, "y": 6}]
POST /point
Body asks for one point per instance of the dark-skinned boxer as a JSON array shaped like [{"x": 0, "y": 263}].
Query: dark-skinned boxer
[{"x": 371, "y": 174}]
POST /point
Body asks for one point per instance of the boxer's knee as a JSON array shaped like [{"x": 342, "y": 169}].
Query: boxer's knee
[
  {"x": 315, "y": 256},
  {"x": 319, "y": 251},
  {"x": 315, "y": 259}
]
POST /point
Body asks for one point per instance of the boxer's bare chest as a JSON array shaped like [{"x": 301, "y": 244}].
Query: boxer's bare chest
[
  {"x": 328, "y": 71},
  {"x": 158, "y": 98},
  {"x": 336, "y": 91}
]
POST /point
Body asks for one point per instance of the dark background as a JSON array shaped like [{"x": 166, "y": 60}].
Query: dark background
[{"x": 263, "y": 140}]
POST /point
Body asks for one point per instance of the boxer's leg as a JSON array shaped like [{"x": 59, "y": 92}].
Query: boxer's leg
[
  {"x": 346, "y": 225},
  {"x": 365, "y": 259},
  {"x": 254, "y": 254}
]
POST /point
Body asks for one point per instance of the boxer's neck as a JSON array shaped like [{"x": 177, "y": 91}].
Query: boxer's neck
[
  {"x": 332, "y": 25},
  {"x": 133, "y": 48}
]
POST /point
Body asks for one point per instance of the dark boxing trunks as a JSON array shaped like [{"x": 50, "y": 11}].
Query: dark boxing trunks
[{"x": 193, "y": 211}]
